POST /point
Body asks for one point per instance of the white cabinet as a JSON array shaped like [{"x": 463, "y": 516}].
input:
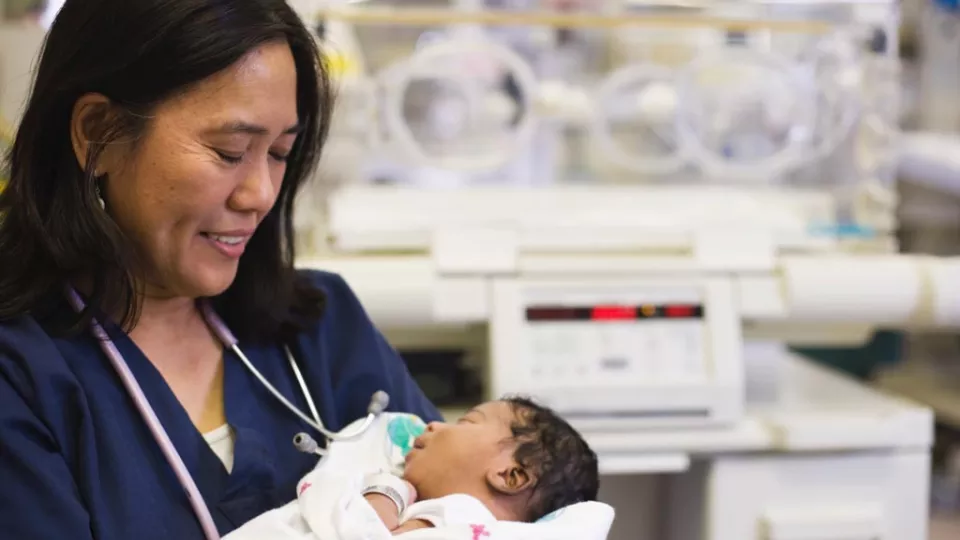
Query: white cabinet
[{"x": 837, "y": 496}]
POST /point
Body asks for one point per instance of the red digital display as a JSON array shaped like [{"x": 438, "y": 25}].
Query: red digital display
[
  {"x": 551, "y": 313},
  {"x": 679, "y": 311},
  {"x": 613, "y": 313}
]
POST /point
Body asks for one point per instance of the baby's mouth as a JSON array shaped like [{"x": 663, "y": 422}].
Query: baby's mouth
[{"x": 418, "y": 444}]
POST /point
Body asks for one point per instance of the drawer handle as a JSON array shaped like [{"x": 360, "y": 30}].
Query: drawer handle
[
  {"x": 864, "y": 522},
  {"x": 643, "y": 463}
]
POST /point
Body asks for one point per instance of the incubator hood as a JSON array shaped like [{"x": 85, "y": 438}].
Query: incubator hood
[{"x": 628, "y": 213}]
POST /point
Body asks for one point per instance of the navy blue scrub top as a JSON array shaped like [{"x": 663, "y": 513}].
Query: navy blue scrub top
[{"x": 77, "y": 461}]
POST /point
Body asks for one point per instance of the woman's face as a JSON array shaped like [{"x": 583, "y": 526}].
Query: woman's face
[{"x": 191, "y": 192}]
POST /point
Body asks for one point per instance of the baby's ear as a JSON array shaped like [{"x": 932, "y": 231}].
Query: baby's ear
[{"x": 511, "y": 479}]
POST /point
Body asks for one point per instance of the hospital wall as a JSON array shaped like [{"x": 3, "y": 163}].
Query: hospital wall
[{"x": 19, "y": 46}]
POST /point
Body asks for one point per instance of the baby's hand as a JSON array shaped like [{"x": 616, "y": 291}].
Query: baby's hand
[
  {"x": 413, "y": 493},
  {"x": 411, "y": 525}
]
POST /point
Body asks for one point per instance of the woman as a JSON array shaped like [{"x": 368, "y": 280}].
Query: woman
[{"x": 154, "y": 170}]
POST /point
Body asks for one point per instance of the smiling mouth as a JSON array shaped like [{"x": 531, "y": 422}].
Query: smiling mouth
[
  {"x": 228, "y": 240},
  {"x": 230, "y": 244}
]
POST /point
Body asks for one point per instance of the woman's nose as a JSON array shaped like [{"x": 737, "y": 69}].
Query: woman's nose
[{"x": 257, "y": 193}]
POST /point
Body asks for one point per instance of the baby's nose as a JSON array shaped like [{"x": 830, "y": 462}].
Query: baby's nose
[{"x": 433, "y": 427}]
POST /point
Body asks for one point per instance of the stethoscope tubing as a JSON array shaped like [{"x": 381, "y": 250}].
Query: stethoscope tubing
[
  {"x": 153, "y": 423},
  {"x": 302, "y": 441}
]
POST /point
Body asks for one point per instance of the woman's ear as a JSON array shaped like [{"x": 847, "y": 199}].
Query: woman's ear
[
  {"x": 511, "y": 479},
  {"x": 88, "y": 124}
]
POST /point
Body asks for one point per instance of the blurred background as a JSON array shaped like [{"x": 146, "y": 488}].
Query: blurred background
[{"x": 777, "y": 183}]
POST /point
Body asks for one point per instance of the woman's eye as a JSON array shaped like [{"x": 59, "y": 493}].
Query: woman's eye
[
  {"x": 282, "y": 158},
  {"x": 232, "y": 159}
]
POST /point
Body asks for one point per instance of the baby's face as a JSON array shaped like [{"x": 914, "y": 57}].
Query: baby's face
[{"x": 455, "y": 458}]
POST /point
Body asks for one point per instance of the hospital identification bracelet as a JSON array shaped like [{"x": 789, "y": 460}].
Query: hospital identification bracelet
[{"x": 389, "y": 486}]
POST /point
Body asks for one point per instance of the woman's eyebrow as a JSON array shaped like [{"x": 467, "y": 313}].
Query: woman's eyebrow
[{"x": 249, "y": 129}]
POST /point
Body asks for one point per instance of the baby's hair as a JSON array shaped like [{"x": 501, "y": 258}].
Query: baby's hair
[{"x": 564, "y": 465}]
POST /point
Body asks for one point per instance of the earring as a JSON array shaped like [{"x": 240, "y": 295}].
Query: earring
[{"x": 100, "y": 201}]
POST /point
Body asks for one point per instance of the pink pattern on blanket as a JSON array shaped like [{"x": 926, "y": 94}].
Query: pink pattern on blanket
[{"x": 478, "y": 531}]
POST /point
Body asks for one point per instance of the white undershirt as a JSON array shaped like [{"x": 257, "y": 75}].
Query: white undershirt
[{"x": 221, "y": 441}]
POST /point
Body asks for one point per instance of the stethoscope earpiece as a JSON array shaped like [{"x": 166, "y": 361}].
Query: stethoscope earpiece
[
  {"x": 307, "y": 444},
  {"x": 378, "y": 403}
]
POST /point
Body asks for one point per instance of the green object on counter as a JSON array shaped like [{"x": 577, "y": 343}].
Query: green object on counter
[{"x": 884, "y": 349}]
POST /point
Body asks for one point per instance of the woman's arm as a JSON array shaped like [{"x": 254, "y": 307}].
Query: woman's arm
[{"x": 38, "y": 497}]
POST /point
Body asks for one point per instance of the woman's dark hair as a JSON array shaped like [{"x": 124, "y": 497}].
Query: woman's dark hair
[{"x": 138, "y": 53}]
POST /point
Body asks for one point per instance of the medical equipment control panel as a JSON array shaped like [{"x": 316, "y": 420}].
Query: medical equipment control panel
[
  {"x": 659, "y": 351},
  {"x": 651, "y": 342}
]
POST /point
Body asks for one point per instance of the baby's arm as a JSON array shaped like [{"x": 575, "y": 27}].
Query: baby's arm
[
  {"x": 389, "y": 495},
  {"x": 387, "y": 511},
  {"x": 385, "y": 508}
]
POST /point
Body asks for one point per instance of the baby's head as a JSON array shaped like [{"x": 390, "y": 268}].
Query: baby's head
[{"x": 521, "y": 459}]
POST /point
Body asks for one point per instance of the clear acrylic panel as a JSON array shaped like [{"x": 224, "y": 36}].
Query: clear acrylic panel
[{"x": 798, "y": 94}]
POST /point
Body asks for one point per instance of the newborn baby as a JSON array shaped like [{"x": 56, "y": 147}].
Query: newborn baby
[{"x": 518, "y": 459}]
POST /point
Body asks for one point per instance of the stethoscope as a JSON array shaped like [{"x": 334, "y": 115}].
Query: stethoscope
[{"x": 302, "y": 441}]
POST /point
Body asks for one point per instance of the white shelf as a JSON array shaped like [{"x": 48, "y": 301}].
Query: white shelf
[{"x": 926, "y": 387}]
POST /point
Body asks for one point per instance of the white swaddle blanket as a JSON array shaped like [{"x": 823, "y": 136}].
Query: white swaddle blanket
[{"x": 330, "y": 506}]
